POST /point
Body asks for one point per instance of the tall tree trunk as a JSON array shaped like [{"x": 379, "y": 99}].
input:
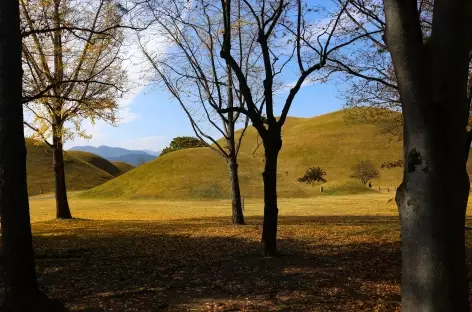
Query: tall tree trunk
[
  {"x": 21, "y": 289},
  {"x": 15, "y": 220},
  {"x": 432, "y": 199},
  {"x": 62, "y": 204},
  {"x": 272, "y": 146},
  {"x": 237, "y": 211}
]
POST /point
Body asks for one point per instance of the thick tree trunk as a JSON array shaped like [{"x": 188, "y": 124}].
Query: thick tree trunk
[
  {"x": 237, "y": 211},
  {"x": 21, "y": 289},
  {"x": 272, "y": 146},
  {"x": 16, "y": 230},
  {"x": 62, "y": 204},
  {"x": 432, "y": 202},
  {"x": 432, "y": 199}
]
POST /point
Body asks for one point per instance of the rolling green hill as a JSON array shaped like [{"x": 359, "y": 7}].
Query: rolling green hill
[
  {"x": 123, "y": 167},
  {"x": 97, "y": 161},
  {"x": 80, "y": 175},
  {"x": 329, "y": 141},
  {"x": 115, "y": 168}
]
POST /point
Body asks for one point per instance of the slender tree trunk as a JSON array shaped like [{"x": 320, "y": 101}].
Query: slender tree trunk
[
  {"x": 21, "y": 289},
  {"x": 237, "y": 211},
  {"x": 62, "y": 204},
  {"x": 272, "y": 146}
]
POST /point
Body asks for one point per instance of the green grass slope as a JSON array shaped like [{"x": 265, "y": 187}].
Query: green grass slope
[
  {"x": 328, "y": 141},
  {"x": 97, "y": 161},
  {"x": 123, "y": 167},
  {"x": 80, "y": 175}
]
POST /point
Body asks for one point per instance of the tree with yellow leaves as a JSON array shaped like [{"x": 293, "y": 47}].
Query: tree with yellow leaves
[{"x": 72, "y": 63}]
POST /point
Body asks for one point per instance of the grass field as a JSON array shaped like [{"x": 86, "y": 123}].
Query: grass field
[
  {"x": 337, "y": 253},
  {"x": 162, "y": 210}
]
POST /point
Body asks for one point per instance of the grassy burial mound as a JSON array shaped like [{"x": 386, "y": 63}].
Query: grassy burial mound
[
  {"x": 123, "y": 167},
  {"x": 330, "y": 141},
  {"x": 80, "y": 175},
  {"x": 97, "y": 161},
  {"x": 115, "y": 168}
]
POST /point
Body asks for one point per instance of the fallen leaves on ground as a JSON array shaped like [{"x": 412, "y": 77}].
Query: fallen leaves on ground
[{"x": 325, "y": 264}]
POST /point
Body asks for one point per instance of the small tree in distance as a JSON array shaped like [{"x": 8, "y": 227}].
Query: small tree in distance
[
  {"x": 365, "y": 171},
  {"x": 312, "y": 175}
]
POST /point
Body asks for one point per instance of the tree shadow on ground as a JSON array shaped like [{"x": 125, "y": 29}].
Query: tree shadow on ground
[{"x": 326, "y": 264}]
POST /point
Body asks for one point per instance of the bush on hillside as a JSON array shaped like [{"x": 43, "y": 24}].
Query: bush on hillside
[
  {"x": 183, "y": 142},
  {"x": 313, "y": 175},
  {"x": 365, "y": 171},
  {"x": 392, "y": 164}
]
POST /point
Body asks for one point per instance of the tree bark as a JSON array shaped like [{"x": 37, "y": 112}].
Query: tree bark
[
  {"x": 21, "y": 290},
  {"x": 16, "y": 229},
  {"x": 272, "y": 146},
  {"x": 432, "y": 198},
  {"x": 62, "y": 204},
  {"x": 432, "y": 201},
  {"x": 237, "y": 211}
]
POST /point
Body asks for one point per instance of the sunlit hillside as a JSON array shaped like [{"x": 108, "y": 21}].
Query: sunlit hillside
[
  {"x": 80, "y": 175},
  {"x": 329, "y": 141}
]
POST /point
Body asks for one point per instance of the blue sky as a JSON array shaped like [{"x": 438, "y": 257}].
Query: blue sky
[{"x": 153, "y": 118}]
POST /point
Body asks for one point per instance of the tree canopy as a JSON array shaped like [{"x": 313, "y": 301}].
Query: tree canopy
[
  {"x": 72, "y": 63},
  {"x": 183, "y": 142}
]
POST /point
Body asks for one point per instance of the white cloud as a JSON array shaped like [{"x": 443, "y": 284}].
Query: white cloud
[
  {"x": 139, "y": 76},
  {"x": 153, "y": 143},
  {"x": 126, "y": 115},
  {"x": 95, "y": 131},
  {"x": 137, "y": 67}
]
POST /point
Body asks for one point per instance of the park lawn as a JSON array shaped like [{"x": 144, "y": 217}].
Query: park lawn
[
  {"x": 338, "y": 253},
  {"x": 42, "y": 207}
]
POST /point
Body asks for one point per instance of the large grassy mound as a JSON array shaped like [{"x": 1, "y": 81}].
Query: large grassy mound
[
  {"x": 80, "y": 175},
  {"x": 96, "y": 161},
  {"x": 123, "y": 167},
  {"x": 115, "y": 168},
  {"x": 329, "y": 141}
]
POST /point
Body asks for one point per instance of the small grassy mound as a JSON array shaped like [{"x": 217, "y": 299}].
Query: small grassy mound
[
  {"x": 80, "y": 175},
  {"x": 123, "y": 167},
  {"x": 170, "y": 176},
  {"x": 330, "y": 141},
  {"x": 97, "y": 161}
]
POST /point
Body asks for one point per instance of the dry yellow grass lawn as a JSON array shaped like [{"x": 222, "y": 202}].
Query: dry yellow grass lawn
[
  {"x": 337, "y": 253},
  {"x": 162, "y": 210}
]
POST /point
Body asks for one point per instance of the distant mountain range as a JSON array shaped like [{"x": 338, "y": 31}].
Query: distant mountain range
[
  {"x": 133, "y": 157},
  {"x": 153, "y": 153}
]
